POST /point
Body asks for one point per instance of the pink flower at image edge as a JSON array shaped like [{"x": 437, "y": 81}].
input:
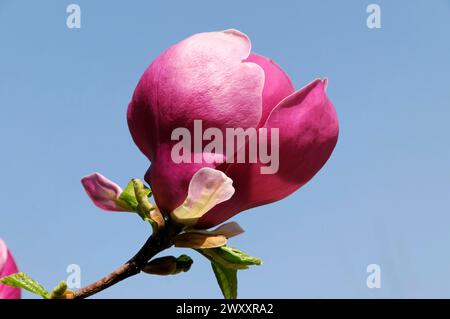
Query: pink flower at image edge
[{"x": 7, "y": 267}]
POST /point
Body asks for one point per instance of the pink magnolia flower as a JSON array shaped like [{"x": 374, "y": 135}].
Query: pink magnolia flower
[
  {"x": 7, "y": 267},
  {"x": 214, "y": 77}
]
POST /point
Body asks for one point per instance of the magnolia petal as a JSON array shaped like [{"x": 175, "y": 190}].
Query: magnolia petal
[
  {"x": 170, "y": 181},
  {"x": 308, "y": 132},
  {"x": 229, "y": 230},
  {"x": 207, "y": 188},
  {"x": 7, "y": 267},
  {"x": 277, "y": 84},
  {"x": 199, "y": 240},
  {"x": 104, "y": 193},
  {"x": 202, "y": 77}
]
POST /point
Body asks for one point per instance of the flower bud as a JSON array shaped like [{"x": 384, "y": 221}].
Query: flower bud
[
  {"x": 104, "y": 193},
  {"x": 168, "y": 265}
]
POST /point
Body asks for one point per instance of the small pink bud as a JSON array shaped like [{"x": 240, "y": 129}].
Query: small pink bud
[{"x": 104, "y": 193}]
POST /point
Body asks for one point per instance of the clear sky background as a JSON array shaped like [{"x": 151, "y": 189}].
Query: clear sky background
[{"x": 383, "y": 197}]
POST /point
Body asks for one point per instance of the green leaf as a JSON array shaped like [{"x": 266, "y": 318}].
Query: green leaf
[
  {"x": 128, "y": 196},
  {"x": 143, "y": 205},
  {"x": 226, "y": 261},
  {"x": 237, "y": 256},
  {"x": 230, "y": 257},
  {"x": 22, "y": 280},
  {"x": 59, "y": 290},
  {"x": 227, "y": 280},
  {"x": 214, "y": 256}
]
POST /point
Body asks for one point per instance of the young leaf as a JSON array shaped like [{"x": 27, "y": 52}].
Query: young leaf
[
  {"x": 236, "y": 256},
  {"x": 143, "y": 205},
  {"x": 59, "y": 290},
  {"x": 214, "y": 256},
  {"x": 128, "y": 196},
  {"x": 22, "y": 280},
  {"x": 230, "y": 257},
  {"x": 227, "y": 280}
]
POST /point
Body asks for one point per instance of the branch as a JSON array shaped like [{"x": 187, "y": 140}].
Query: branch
[{"x": 154, "y": 245}]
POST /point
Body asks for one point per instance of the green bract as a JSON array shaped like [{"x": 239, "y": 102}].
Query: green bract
[
  {"x": 227, "y": 279},
  {"x": 226, "y": 261}
]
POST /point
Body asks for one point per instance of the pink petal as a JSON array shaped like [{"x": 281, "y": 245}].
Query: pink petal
[
  {"x": 212, "y": 183},
  {"x": 207, "y": 188},
  {"x": 277, "y": 84},
  {"x": 7, "y": 267},
  {"x": 203, "y": 77},
  {"x": 103, "y": 192},
  {"x": 169, "y": 180},
  {"x": 308, "y": 129}
]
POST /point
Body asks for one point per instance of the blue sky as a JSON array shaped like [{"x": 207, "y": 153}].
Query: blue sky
[{"x": 383, "y": 197}]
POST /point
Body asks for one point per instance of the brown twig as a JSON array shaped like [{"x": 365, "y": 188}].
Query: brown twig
[{"x": 154, "y": 245}]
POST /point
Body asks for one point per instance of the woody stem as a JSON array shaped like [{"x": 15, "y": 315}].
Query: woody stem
[{"x": 154, "y": 245}]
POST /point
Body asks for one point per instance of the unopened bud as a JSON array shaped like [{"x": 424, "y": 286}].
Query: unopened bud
[
  {"x": 184, "y": 263},
  {"x": 59, "y": 290},
  {"x": 168, "y": 265},
  {"x": 161, "y": 266}
]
